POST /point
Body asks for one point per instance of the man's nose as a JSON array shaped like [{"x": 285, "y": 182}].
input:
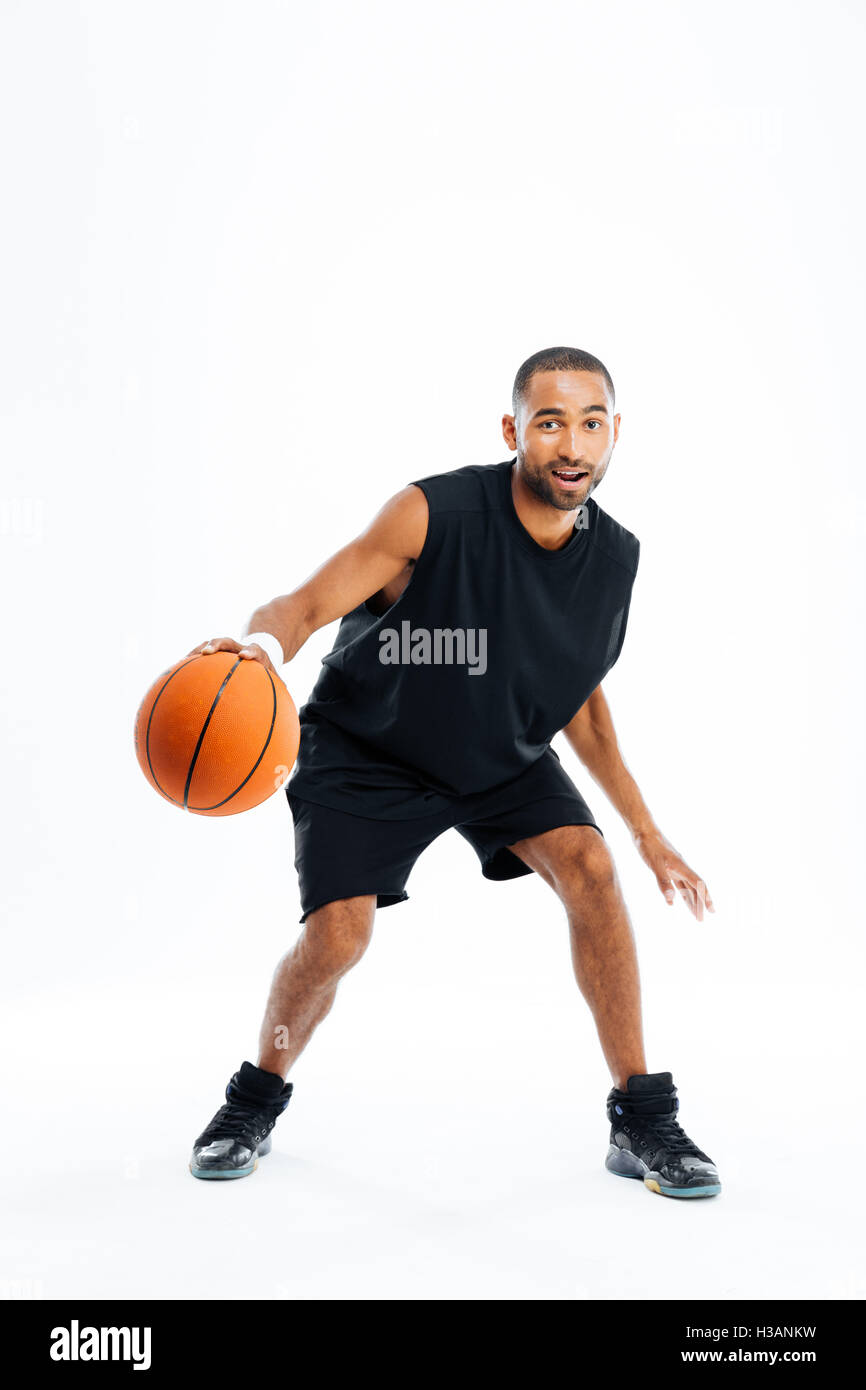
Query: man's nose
[{"x": 569, "y": 444}]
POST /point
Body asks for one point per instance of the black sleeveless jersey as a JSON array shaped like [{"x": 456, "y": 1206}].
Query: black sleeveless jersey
[{"x": 493, "y": 646}]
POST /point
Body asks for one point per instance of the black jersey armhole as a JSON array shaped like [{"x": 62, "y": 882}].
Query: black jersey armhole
[{"x": 419, "y": 558}]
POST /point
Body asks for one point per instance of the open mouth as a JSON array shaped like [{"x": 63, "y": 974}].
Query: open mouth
[{"x": 569, "y": 476}]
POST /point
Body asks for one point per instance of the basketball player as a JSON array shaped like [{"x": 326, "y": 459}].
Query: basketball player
[{"x": 480, "y": 610}]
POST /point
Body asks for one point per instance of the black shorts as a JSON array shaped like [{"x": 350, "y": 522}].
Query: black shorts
[{"x": 341, "y": 855}]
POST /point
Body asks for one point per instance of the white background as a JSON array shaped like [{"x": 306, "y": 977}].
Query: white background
[{"x": 262, "y": 264}]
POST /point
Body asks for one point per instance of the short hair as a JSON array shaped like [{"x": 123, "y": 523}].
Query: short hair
[{"x": 556, "y": 359}]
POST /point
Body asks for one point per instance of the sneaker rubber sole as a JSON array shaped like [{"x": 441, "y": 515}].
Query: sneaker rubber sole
[
  {"x": 627, "y": 1165},
  {"x": 221, "y": 1174}
]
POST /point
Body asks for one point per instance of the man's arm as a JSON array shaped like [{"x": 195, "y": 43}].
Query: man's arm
[
  {"x": 395, "y": 536},
  {"x": 593, "y": 738}
]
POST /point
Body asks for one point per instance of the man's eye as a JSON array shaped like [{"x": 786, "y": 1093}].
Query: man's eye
[
  {"x": 547, "y": 422},
  {"x": 594, "y": 422}
]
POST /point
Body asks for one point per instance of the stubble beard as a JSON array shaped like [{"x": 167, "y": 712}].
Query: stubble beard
[{"x": 540, "y": 484}]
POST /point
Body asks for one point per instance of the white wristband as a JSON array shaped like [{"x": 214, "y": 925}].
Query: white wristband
[{"x": 271, "y": 644}]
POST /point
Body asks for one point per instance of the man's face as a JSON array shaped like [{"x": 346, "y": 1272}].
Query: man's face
[{"x": 565, "y": 426}]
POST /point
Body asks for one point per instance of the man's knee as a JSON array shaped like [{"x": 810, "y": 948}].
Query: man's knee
[
  {"x": 340, "y": 931},
  {"x": 577, "y": 855}
]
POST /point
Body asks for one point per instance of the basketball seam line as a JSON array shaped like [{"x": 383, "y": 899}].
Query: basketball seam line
[
  {"x": 217, "y": 804},
  {"x": 197, "y": 748},
  {"x": 147, "y": 736}
]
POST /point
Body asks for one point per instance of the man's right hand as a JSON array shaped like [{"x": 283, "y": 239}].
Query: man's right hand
[{"x": 228, "y": 644}]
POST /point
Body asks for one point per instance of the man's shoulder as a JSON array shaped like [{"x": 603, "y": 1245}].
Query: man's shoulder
[
  {"x": 610, "y": 536},
  {"x": 473, "y": 488}
]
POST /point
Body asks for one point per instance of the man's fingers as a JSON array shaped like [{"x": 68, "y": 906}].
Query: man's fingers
[
  {"x": 221, "y": 644},
  {"x": 693, "y": 894},
  {"x": 254, "y": 652},
  {"x": 703, "y": 901},
  {"x": 676, "y": 876},
  {"x": 215, "y": 644},
  {"x": 682, "y": 885},
  {"x": 705, "y": 896},
  {"x": 249, "y": 651},
  {"x": 688, "y": 895}
]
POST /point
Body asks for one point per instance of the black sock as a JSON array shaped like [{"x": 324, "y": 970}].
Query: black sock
[{"x": 266, "y": 1084}]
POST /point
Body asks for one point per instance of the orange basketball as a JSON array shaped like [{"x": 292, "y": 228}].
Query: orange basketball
[{"x": 216, "y": 734}]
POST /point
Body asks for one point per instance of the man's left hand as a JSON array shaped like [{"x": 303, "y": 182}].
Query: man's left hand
[{"x": 673, "y": 873}]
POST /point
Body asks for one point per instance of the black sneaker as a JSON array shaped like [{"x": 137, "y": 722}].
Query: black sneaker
[
  {"x": 240, "y": 1131},
  {"x": 647, "y": 1142}
]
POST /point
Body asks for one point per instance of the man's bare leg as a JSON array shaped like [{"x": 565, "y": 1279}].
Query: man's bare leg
[
  {"x": 305, "y": 982},
  {"x": 577, "y": 864}
]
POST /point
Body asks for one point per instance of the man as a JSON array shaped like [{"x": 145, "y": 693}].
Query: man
[{"x": 480, "y": 609}]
